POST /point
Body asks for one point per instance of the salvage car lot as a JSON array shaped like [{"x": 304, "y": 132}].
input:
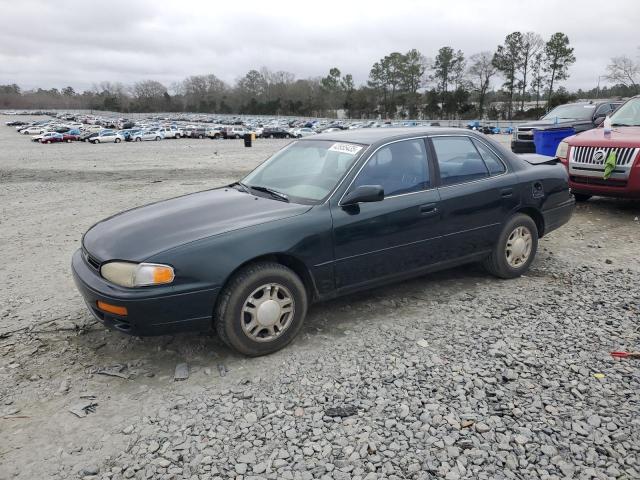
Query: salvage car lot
[{"x": 454, "y": 374}]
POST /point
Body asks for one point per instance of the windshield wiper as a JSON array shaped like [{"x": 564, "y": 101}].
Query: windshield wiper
[
  {"x": 274, "y": 193},
  {"x": 241, "y": 185}
]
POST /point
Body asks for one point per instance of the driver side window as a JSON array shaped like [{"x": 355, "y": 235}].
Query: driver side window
[{"x": 399, "y": 167}]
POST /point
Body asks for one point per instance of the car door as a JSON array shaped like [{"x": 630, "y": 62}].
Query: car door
[
  {"x": 476, "y": 194},
  {"x": 385, "y": 239}
]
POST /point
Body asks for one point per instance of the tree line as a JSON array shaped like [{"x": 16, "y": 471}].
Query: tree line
[{"x": 524, "y": 68}]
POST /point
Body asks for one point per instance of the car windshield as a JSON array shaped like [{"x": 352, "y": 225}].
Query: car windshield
[
  {"x": 305, "y": 171},
  {"x": 628, "y": 114},
  {"x": 577, "y": 112}
]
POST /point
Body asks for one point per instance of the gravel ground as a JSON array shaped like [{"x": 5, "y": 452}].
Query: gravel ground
[{"x": 451, "y": 375}]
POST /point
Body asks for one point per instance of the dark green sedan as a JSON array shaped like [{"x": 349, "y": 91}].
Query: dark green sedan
[{"x": 325, "y": 216}]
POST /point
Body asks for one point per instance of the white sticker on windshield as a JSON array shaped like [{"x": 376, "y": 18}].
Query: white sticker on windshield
[
  {"x": 589, "y": 106},
  {"x": 349, "y": 148}
]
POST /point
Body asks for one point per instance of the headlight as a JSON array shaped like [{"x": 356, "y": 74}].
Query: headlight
[
  {"x": 128, "y": 274},
  {"x": 562, "y": 150}
]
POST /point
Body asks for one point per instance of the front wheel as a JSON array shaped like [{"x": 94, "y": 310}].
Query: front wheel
[
  {"x": 95, "y": 142},
  {"x": 117, "y": 140},
  {"x": 581, "y": 197},
  {"x": 177, "y": 135},
  {"x": 157, "y": 138},
  {"x": 262, "y": 309},
  {"x": 516, "y": 248}
]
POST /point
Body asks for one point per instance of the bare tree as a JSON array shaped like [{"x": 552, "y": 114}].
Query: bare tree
[
  {"x": 624, "y": 70},
  {"x": 532, "y": 43},
  {"x": 481, "y": 71}
]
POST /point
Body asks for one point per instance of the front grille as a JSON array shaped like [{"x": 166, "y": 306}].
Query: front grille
[
  {"x": 598, "y": 155},
  {"x": 91, "y": 261},
  {"x": 525, "y": 134}
]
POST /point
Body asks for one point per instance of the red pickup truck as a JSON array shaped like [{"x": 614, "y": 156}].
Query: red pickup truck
[{"x": 585, "y": 156}]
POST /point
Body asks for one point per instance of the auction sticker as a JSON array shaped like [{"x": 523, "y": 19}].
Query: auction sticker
[{"x": 349, "y": 148}]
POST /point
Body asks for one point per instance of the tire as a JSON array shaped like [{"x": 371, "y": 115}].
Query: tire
[
  {"x": 237, "y": 137},
  {"x": 47, "y": 141},
  {"x": 270, "y": 136},
  {"x": 247, "y": 283},
  {"x": 117, "y": 140},
  {"x": 95, "y": 142},
  {"x": 157, "y": 139},
  {"x": 581, "y": 197},
  {"x": 498, "y": 263},
  {"x": 287, "y": 136},
  {"x": 177, "y": 135},
  {"x": 138, "y": 139},
  {"x": 68, "y": 140},
  {"x": 200, "y": 137}
]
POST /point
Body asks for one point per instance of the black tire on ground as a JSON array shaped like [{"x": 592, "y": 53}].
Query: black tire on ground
[
  {"x": 271, "y": 136},
  {"x": 177, "y": 135},
  {"x": 287, "y": 136},
  {"x": 68, "y": 140},
  {"x": 581, "y": 197},
  {"x": 95, "y": 142},
  {"x": 117, "y": 140},
  {"x": 497, "y": 263},
  {"x": 138, "y": 139},
  {"x": 157, "y": 138},
  {"x": 200, "y": 136},
  {"x": 228, "y": 316}
]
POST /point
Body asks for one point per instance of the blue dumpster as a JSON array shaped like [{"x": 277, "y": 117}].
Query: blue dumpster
[{"x": 547, "y": 141}]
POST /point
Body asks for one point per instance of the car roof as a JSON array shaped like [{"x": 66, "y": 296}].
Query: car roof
[{"x": 370, "y": 136}]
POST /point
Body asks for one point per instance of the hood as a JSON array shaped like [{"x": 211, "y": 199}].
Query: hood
[
  {"x": 145, "y": 231},
  {"x": 619, "y": 137},
  {"x": 551, "y": 123}
]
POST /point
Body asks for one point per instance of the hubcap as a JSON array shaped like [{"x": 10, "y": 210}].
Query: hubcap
[
  {"x": 267, "y": 312},
  {"x": 518, "y": 247}
]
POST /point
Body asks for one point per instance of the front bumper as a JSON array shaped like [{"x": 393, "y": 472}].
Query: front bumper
[
  {"x": 606, "y": 188},
  {"x": 151, "y": 310},
  {"x": 518, "y": 146},
  {"x": 558, "y": 215}
]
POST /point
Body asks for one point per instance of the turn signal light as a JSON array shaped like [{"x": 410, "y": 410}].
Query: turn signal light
[{"x": 115, "y": 309}]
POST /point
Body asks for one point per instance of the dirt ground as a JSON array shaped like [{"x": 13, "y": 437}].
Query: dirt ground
[{"x": 51, "y": 349}]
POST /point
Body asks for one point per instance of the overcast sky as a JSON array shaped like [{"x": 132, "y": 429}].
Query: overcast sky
[{"x": 54, "y": 43}]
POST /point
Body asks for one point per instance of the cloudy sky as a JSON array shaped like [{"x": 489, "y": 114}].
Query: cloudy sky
[{"x": 54, "y": 43}]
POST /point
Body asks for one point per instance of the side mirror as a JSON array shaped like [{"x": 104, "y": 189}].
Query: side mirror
[
  {"x": 597, "y": 121},
  {"x": 364, "y": 193}
]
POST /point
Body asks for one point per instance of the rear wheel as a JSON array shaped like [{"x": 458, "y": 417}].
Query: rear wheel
[
  {"x": 95, "y": 142},
  {"x": 262, "y": 309},
  {"x": 581, "y": 197},
  {"x": 516, "y": 248},
  {"x": 117, "y": 140},
  {"x": 200, "y": 136},
  {"x": 68, "y": 140},
  {"x": 157, "y": 138}
]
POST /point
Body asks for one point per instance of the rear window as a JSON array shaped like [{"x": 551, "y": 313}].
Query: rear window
[
  {"x": 458, "y": 160},
  {"x": 494, "y": 164}
]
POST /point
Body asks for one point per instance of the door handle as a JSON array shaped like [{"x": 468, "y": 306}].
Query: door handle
[
  {"x": 506, "y": 192},
  {"x": 428, "y": 210}
]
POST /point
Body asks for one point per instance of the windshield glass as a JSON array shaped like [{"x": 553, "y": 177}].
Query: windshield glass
[
  {"x": 305, "y": 171},
  {"x": 628, "y": 114},
  {"x": 578, "y": 112}
]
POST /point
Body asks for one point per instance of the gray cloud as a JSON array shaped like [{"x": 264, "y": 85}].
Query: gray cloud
[{"x": 68, "y": 42}]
